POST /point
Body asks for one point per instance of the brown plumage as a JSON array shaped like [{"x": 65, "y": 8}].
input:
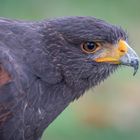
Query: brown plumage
[{"x": 46, "y": 65}]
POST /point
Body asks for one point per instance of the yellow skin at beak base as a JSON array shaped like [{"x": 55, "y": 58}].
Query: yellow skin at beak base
[{"x": 113, "y": 54}]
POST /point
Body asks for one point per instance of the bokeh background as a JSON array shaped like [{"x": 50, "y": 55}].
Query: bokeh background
[{"x": 110, "y": 111}]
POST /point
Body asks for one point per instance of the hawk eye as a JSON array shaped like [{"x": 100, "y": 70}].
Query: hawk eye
[{"x": 89, "y": 47}]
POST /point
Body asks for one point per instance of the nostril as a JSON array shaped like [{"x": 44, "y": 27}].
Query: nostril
[{"x": 122, "y": 51}]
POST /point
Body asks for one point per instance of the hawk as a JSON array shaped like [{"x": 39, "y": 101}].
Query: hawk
[{"x": 46, "y": 65}]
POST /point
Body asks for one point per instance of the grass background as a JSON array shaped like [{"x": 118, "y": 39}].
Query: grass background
[{"x": 111, "y": 111}]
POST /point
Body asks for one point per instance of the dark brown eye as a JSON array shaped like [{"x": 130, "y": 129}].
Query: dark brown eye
[{"x": 89, "y": 47}]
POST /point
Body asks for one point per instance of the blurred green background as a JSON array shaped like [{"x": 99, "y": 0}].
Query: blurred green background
[{"x": 110, "y": 111}]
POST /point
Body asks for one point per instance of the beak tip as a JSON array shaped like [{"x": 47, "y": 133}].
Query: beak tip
[
  {"x": 135, "y": 71},
  {"x": 135, "y": 65},
  {"x": 130, "y": 59}
]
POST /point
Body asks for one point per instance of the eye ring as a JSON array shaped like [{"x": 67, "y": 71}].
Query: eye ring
[{"x": 89, "y": 47}]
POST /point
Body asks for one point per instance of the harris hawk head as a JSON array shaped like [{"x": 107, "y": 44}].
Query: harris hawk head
[
  {"x": 46, "y": 65},
  {"x": 88, "y": 50}
]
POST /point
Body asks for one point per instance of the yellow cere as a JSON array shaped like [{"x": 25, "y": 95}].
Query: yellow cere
[{"x": 113, "y": 54}]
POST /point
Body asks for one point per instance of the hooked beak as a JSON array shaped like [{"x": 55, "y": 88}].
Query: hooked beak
[
  {"x": 130, "y": 58},
  {"x": 121, "y": 54}
]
